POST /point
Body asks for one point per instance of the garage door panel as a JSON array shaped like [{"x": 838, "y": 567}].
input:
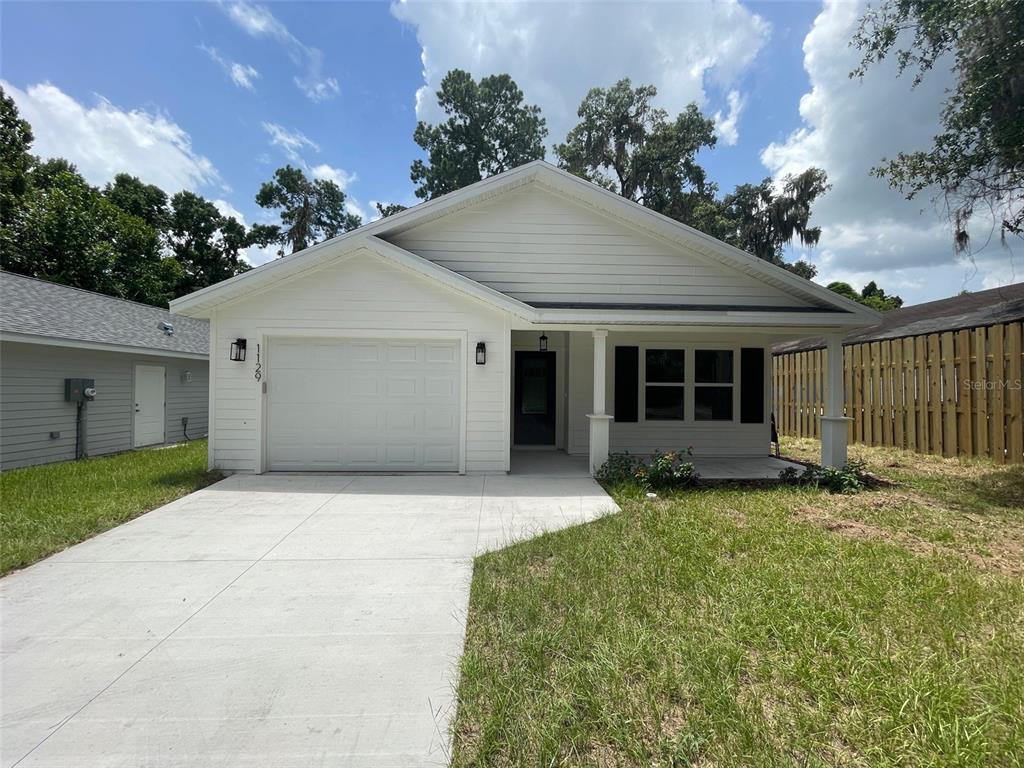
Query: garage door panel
[
  {"x": 365, "y": 351},
  {"x": 364, "y": 405},
  {"x": 444, "y": 420},
  {"x": 439, "y": 354},
  {"x": 437, "y": 387},
  {"x": 439, "y": 455},
  {"x": 404, "y": 352},
  {"x": 402, "y": 387}
]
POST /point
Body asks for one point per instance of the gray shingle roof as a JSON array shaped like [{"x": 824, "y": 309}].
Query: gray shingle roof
[
  {"x": 38, "y": 308},
  {"x": 971, "y": 310}
]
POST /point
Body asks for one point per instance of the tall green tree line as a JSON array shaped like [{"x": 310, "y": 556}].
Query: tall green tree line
[{"x": 623, "y": 143}]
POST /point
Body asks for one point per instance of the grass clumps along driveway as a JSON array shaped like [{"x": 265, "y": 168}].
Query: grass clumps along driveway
[
  {"x": 48, "y": 508},
  {"x": 760, "y": 627}
]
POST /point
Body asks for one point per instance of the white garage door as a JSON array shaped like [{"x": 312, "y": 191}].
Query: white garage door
[{"x": 363, "y": 404}]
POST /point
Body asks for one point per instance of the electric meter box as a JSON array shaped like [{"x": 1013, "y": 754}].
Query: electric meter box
[{"x": 75, "y": 390}]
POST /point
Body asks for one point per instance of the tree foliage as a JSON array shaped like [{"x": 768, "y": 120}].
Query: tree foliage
[
  {"x": 310, "y": 210},
  {"x": 206, "y": 244},
  {"x": 119, "y": 241},
  {"x": 625, "y": 144},
  {"x": 131, "y": 195},
  {"x": 489, "y": 130},
  {"x": 977, "y": 159},
  {"x": 762, "y": 218},
  {"x": 389, "y": 209},
  {"x": 870, "y": 296}
]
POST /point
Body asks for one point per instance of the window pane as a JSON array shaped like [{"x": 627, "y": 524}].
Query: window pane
[
  {"x": 712, "y": 403},
  {"x": 713, "y": 366},
  {"x": 664, "y": 365},
  {"x": 664, "y": 403}
]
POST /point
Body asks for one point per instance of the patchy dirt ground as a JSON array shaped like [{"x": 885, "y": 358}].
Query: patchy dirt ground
[{"x": 972, "y": 508}]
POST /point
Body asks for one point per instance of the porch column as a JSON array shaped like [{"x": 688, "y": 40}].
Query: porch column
[
  {"x": 834, "y": 425},
  {"x": 599, "y": 420}
]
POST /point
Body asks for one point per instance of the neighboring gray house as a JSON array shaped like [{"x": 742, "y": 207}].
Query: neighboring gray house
[{"x": 149, "y": 369}]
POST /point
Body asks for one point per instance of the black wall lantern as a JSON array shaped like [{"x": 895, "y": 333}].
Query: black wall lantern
[
  {"x": 543, "y": 342},
  {"x": 237, "y": 353},
  {"x": 481, "y": 353}
]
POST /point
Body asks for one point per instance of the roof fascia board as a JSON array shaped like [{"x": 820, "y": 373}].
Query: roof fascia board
[
  {"x": 56, "y": 341},
  {"x": 767, "y": 333},
  {"x": 731, "y": 318}
]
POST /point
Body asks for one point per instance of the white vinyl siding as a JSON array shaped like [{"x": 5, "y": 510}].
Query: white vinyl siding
[
  {"x": 360, "y": 295},
  {"x": 708, "y": 438},
  {"x": 537, "y": 246},
  {"x": 32, "y": 401}
]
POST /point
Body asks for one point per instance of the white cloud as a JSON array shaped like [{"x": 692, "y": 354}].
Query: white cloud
[
  {"x": 257, "y": 255},
  {"x": 556, "y": 52},
  {"x": 727, "y": 127},
  {"x": 870, "y": 232},
  {"x": 226, "y": 209},
  {"x": 103, "y": 140},
  {"x": 290, "y": 142},
  {"x": 339, "y": 176},
  {"x": 242, "y": 75},
  {"x": 258, "y": 21}
]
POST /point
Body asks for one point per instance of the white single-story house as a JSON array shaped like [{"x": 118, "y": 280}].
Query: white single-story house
[
  {"x": 531, "y": 310},
  {"x": 83, "y": 374}
]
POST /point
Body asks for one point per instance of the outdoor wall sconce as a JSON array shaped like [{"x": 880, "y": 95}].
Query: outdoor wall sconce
[
  {"x": 481, "y": 353},
  {"x": 237, "y": 354},
  {"x": 543, "y": 342},
  {"x": 186, "y": 377}
]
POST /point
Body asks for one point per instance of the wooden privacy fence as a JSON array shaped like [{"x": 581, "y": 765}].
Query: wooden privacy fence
[{"x": 955, "y": 393}]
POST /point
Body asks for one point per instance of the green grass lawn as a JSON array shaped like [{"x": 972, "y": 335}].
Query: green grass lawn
[
  {"x": 48, "y": 508},
  {"x": 760, "y": 627}
]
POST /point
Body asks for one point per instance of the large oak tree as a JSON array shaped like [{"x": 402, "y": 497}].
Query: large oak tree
[{"x": 489, "y": 130}]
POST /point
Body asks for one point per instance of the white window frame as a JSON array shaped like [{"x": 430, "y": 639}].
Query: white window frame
[
  {"x": 685, "y": 384},
  {"x": 689, "y": 384},
  {"x": 735, "y": 377}
]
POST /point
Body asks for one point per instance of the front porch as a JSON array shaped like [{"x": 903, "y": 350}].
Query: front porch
[
  {"x": 561, "y": 464},
  {"x": 579, "y": 395}
]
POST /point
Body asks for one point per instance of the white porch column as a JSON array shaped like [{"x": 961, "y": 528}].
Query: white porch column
[
  {"x": 599, "y": 420},
  {"x": 834, "y": 426}
]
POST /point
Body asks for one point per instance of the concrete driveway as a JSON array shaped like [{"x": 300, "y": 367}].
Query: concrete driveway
[{"x": 280, "y": 621}]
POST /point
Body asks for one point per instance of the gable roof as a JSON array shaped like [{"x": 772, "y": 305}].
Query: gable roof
[
  {"x": 40, "y": 311},
  {"x": 553, "y": 179},
  {"x": 970, "y": 310}
]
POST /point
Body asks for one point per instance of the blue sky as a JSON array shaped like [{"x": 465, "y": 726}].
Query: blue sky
[{"x": 215, "y": 96}]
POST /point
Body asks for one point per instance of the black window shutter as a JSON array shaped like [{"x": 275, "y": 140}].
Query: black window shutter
[
  {"x": 752, "y": 385},
  {"x": 627, "y": 389}
]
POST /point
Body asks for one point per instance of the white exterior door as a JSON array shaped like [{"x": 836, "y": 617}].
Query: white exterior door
[
  {"x": 149, "y": 405},
  {"x": 364, "y": 405}
]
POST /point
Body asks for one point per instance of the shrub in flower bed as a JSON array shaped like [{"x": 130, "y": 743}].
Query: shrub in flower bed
[
  {"x": 661, "y": 472},
  {"x": 848, "y": 479}
]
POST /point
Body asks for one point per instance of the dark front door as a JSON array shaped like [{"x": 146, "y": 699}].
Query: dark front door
[{"x": 534, "y": 398}]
